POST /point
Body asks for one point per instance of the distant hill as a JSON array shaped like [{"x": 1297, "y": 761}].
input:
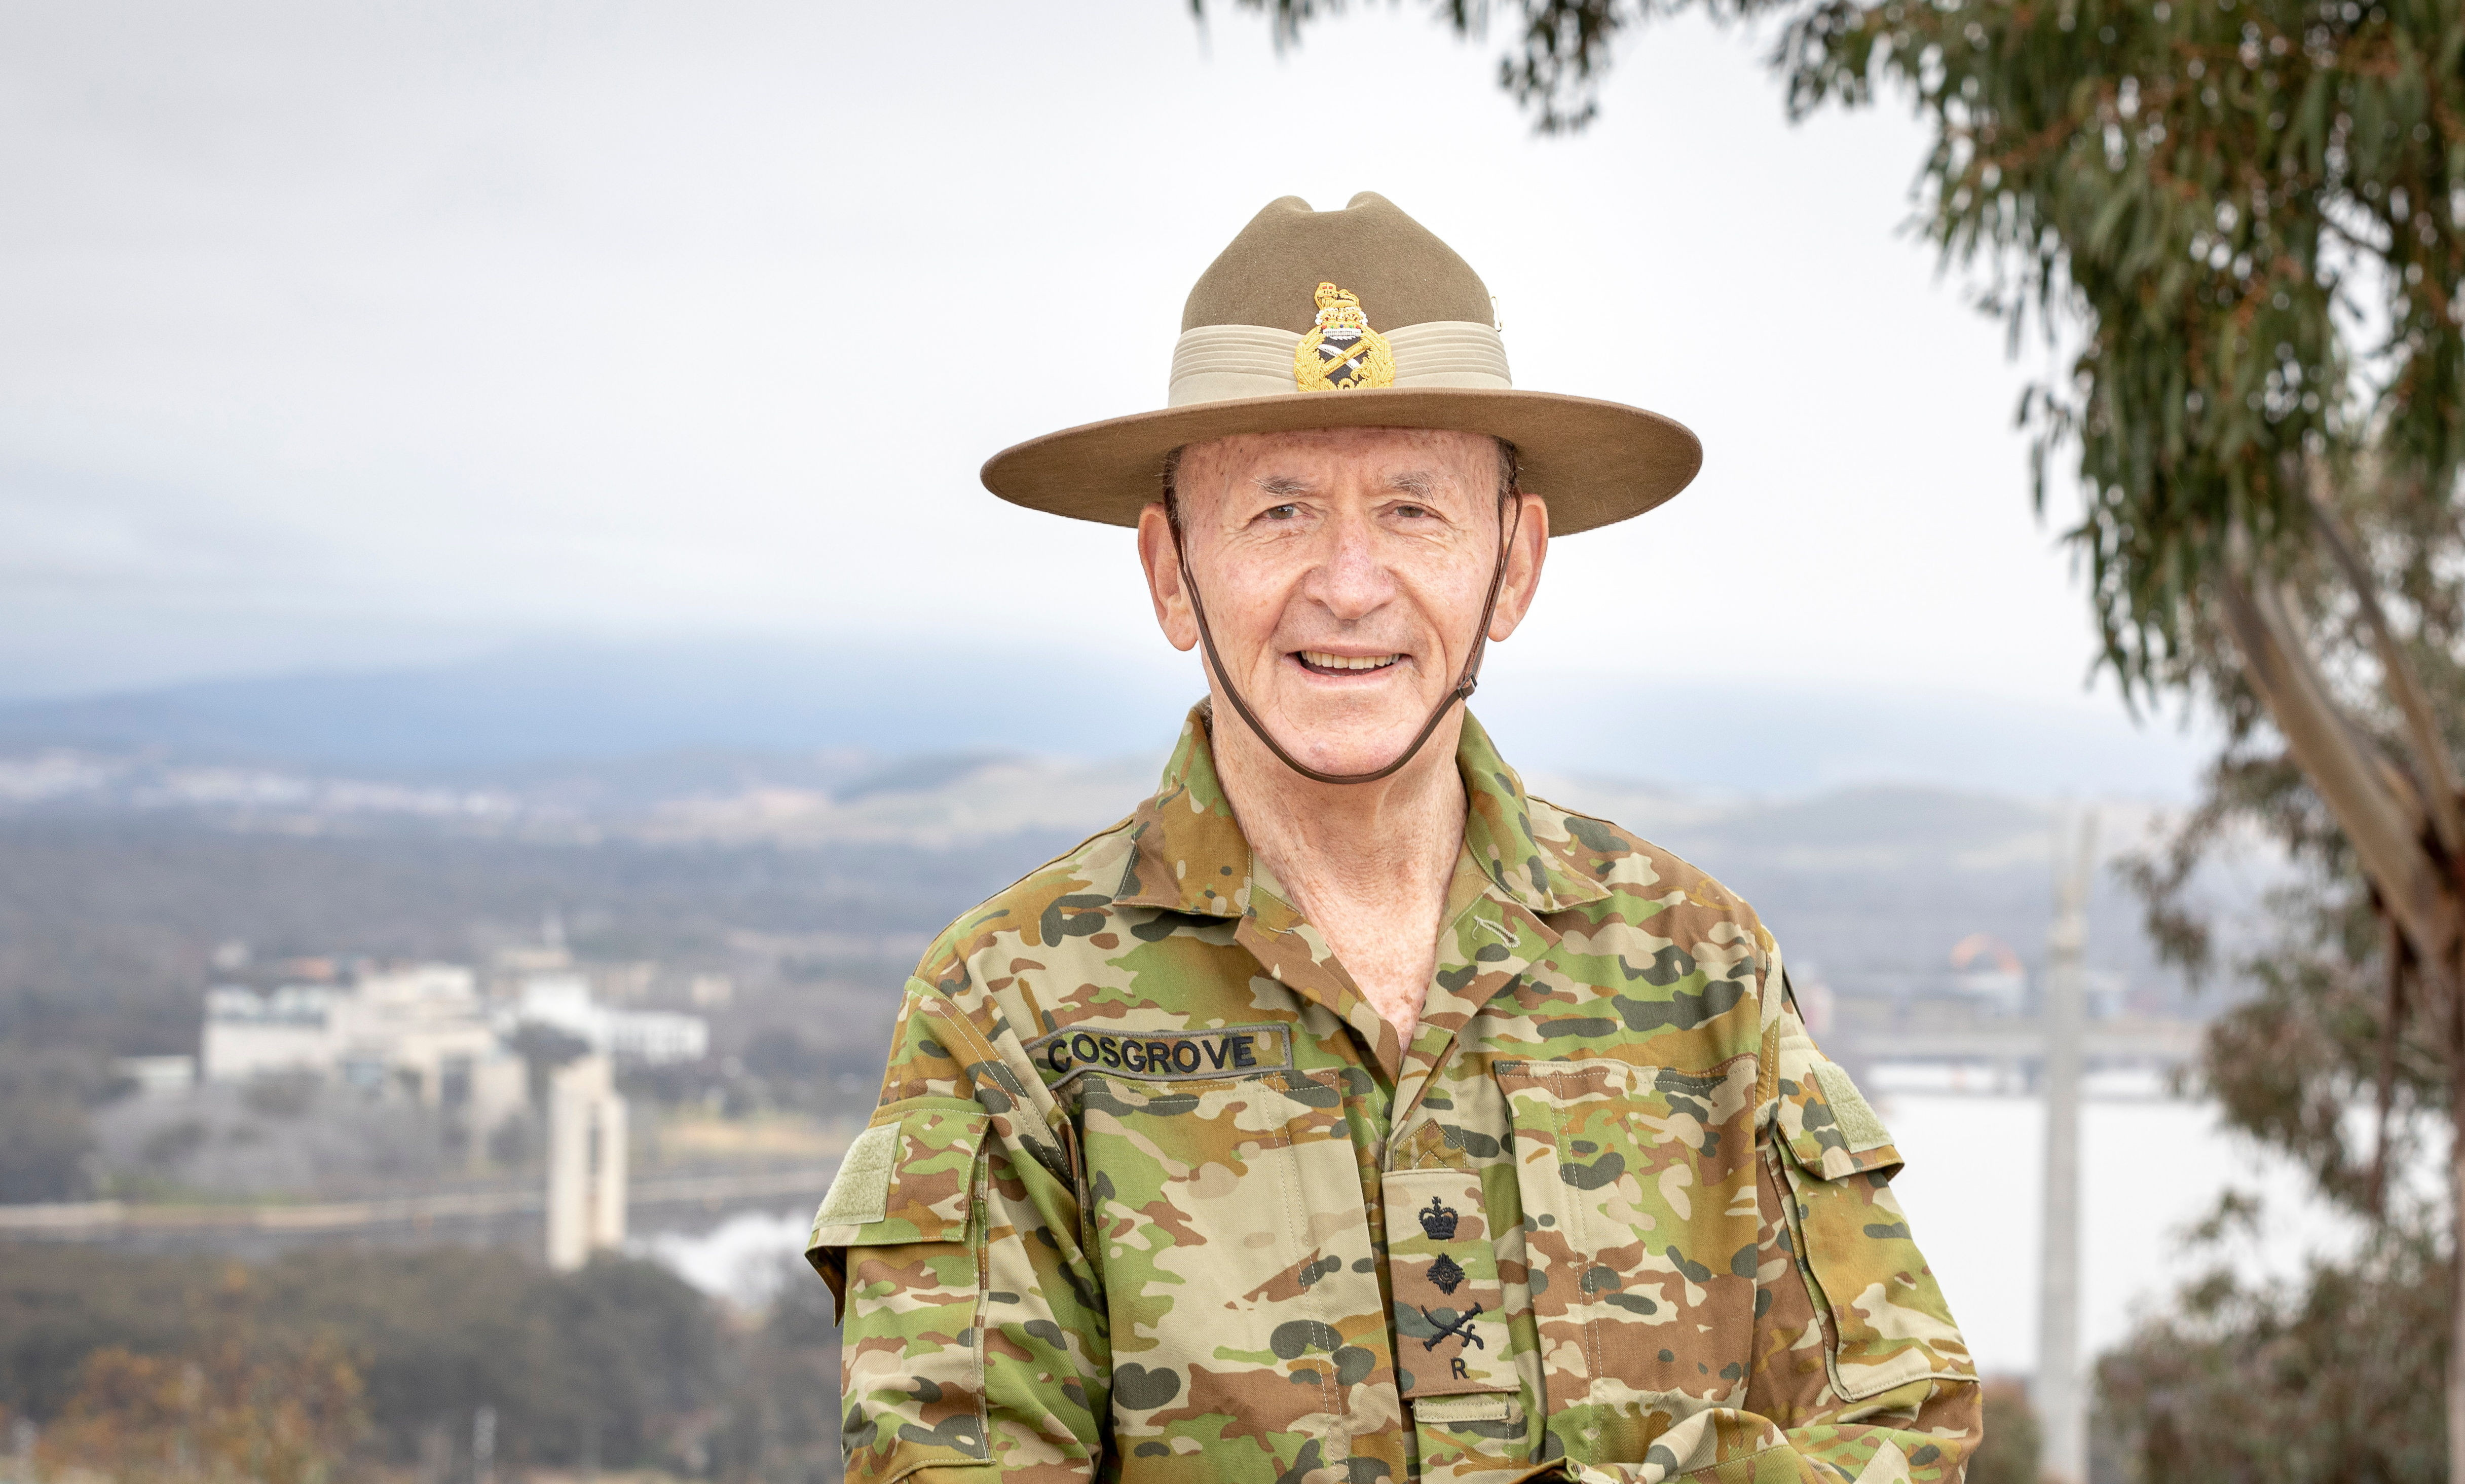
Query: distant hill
[
  {"x": 1873, "y": 879},
  {"x": 545, "y": 706},
  {"x": 1873, "y": 885},
  {"x": 535, "y": 705}
]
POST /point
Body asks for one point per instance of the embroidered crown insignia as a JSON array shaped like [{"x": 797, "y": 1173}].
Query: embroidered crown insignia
[
  {"x": 1341, "y": 352},
  {"x": 1438, "y": 1220}
]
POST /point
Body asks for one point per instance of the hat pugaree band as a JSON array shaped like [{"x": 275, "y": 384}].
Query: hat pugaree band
[{"x": 1359, "y": 318}]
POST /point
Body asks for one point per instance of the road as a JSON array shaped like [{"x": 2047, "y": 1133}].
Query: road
[{"x": 107, "y": 1220}]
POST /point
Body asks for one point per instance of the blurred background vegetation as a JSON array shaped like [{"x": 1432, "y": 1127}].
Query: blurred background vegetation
[{"x": 362, "y": 1364}]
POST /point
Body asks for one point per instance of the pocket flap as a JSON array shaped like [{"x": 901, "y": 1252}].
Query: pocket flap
[{"x": 909, "y": 1177}]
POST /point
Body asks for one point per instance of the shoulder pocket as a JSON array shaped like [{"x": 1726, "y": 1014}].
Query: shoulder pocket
[
  {"x": 911, "y": 1176},
  {"x": 1886, "y": 1322},
  {"x": 900, "y": 1242},
  {"x": 1830, "y": 1128}
]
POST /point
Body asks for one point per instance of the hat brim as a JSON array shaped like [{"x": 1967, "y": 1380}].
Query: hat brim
[{"x": 1595, "y": 462}]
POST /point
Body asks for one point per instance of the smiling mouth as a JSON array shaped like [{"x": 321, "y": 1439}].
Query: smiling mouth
[{"x": 1322, "y": 663}]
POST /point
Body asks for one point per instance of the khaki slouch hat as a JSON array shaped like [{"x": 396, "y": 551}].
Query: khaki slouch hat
[{"x": 1359, "y": 318}]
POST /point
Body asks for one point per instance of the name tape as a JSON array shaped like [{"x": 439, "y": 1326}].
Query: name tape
[{"x": 1163, "y": 1056}]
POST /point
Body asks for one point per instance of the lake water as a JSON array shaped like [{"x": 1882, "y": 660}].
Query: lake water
[{"x": 2149, "y": 1168}]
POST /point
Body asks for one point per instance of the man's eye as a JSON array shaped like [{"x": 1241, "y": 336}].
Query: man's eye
[
  {"x": 1283, "y": 512},
  {"x": 1412, "y": 512}
]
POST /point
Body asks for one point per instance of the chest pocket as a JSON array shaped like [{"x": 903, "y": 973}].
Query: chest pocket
[
  {"x": 1227, "y": 1214},
  {"x": 1639, "y": 1230}
]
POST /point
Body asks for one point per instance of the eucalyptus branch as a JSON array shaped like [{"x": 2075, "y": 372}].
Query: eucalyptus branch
[
  {"x": 2391, "y": 1033},
  {"x": 2388, "y": 841},
  {"x": 2432, "y": 764}
]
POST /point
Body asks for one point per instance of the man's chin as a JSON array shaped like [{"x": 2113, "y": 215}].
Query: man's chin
[{"x": 1348, "y": 748}]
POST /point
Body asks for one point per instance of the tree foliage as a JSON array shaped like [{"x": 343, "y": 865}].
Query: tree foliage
[
  {"x": 2253, "y": 212},
  {"x": 230, "y": 1416},
  {"x": 1560, "y": 54},
  {"x": 621, "y": 1361},
  {"x": 2334, "y": 1374},
  {"x": 782, "y": 1421},
  {"x": 44, "y": 1094},
  {"x": 2333, "y": 1377},
  {"x": 2008, "y": 1453},
  {"x": 2330, "y": 1026}
]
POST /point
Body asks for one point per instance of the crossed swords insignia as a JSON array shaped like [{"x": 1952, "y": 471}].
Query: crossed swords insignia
[{"x": 1460, "y": 1329}]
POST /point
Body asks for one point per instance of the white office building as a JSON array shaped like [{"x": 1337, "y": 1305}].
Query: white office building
[
  {"x": 564, "y": 1003},
  {"x": 420, "y": 1029}
]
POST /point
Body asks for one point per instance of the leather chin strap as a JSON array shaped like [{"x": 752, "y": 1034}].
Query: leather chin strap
[{"x": 1464, "y": 685}]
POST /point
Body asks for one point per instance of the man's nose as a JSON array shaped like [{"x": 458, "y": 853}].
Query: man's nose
[{"x": 1351, "y": 581}]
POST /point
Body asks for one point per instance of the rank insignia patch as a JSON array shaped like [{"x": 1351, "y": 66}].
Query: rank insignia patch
[
  {"x": 1448, "y": 1303},
  {"x": 1341, "y": 352}
]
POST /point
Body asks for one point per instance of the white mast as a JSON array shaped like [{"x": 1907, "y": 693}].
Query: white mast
[{"x": 2061, "y": 1388}]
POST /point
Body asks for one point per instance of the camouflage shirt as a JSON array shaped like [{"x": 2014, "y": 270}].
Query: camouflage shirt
[{"x": 1154, "y": 1194}]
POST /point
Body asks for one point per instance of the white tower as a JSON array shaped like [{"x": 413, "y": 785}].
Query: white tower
[
  {"x": 586, "y": 1162},
  {"x": 2061, "y": 1391}
]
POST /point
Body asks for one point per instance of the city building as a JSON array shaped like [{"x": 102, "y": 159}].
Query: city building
[
  {"x": 564, "y": 1002},
  {"x": 418, "y": 1029},
  {"x": 425, "y": 1031}
]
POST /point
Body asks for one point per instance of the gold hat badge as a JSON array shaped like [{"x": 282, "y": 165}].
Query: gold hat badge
[{"x": 1341, "y": 352}]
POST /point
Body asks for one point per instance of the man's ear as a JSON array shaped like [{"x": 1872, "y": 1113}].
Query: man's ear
[
  {"x": 1160, "y": 556},
  {"x": 1527, "y": 549}
]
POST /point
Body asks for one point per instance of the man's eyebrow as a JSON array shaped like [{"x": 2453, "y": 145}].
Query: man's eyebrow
[
  {"x": 1284, "y": 484},
  {"x": 1414, "y": 480}
]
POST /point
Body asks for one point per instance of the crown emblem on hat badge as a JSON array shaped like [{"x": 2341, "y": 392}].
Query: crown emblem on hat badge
[
  {"x": 1438, "y": 1220},
  {"x": 1341, "y": 352}
]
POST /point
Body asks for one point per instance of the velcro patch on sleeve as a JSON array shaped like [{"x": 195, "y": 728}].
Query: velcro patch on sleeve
[
  {"x": 1162, "y": 1056},
  {"x": 860, "y": 1193},
  {"x": 1857, "y": 1116}
]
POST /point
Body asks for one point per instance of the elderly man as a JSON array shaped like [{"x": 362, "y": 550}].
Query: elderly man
[{"x": 1347, "y": 1114}]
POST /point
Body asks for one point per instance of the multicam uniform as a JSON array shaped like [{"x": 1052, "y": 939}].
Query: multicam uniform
[{"x": 1154, "y": 1194}]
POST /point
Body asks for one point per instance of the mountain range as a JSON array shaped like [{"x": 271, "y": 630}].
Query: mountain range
[{"x": 517, "y": 710}]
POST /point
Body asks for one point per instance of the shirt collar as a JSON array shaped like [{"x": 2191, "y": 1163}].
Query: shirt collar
[
  {"x": 1192, "y": 856},
  {"x": 1544, "y": 875}
]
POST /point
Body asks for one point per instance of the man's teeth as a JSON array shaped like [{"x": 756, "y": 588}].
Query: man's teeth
[{"x": 1349, "y": 661}]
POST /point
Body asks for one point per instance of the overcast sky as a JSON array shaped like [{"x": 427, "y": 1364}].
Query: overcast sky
[{"x": 339, "y": 335}]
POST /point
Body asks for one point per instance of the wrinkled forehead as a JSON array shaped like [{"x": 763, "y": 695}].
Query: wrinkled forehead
[{"x": 1436, "y": 463}]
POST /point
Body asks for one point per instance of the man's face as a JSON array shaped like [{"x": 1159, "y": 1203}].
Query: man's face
[{"x": 1344, "y": 572}]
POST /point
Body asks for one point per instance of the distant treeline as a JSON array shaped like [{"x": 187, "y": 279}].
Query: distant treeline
[
  {"x": 107, "y": 924},
  {"x": 619, "y": 1365}
]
